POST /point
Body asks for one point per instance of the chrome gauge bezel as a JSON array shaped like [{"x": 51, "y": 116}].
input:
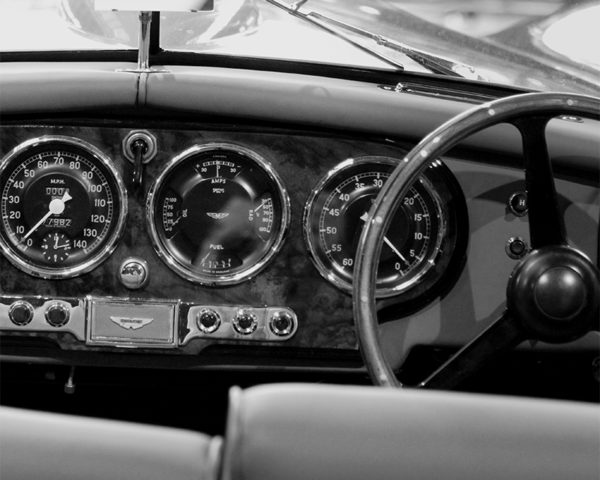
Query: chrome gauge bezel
[
  {"x": 111, "y": 243},
  {"x": 223, "y": 279},
  {"x": 329, "y": 273}
]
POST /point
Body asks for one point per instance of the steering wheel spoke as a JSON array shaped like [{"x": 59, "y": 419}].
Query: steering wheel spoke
[
  {"x": 504, "y": 334},
  {"x": 546, "y": 224}
]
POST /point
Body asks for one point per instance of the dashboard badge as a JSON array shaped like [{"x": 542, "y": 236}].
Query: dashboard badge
[
  {"x": 131, "y": 323},
  {"x": 218, "y": 215}
]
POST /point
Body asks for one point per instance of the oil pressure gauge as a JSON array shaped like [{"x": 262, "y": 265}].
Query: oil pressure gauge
[
  {"x": 339, "y": 206},
  {"x": 217, "y": 214}
]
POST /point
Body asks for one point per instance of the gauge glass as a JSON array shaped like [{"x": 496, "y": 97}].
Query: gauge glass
[
  {"x": 338, "y": 208},
  {"x": 63, "y": 207},
  {"x": 218, "y": 214}
]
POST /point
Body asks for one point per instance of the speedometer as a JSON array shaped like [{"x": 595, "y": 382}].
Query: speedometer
[
  {"x": 217, "y": 214},
  {"x": 63, "y": 207},
  {"x": 414, "y": 244}
]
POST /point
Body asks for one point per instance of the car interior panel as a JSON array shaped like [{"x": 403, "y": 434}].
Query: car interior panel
[{"x": 261, "y": 240}]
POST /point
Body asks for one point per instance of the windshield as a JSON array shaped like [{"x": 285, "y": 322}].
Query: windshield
[{"x": 537, "y": 45}]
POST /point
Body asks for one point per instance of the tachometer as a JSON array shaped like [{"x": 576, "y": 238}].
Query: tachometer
[
  {"x": 338, "y": 207},
  {"x": 217, "y": 214},
  {"x": 63, "y": 207}
]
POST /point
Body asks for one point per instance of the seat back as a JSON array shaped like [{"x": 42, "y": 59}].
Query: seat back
[{"x": 316, "y": 432}]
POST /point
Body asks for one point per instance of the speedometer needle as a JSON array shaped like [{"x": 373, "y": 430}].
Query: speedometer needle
[
  {"x": 56, "y": 207},
  {"x": 364, "y": 218}
]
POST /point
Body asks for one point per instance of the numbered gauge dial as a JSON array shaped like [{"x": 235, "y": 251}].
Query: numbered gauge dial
[
  {"x": 218, "y": 214},
  {"x": 63, "y": 207},
  {"x": 338, "y": 208}
]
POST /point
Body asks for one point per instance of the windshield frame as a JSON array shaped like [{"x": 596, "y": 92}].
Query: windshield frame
[{"x": 465, "y": 88}]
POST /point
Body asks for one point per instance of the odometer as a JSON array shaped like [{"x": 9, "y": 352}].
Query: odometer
[
  {"x": 338, "y": 208},
  {"x": 217, "y": 214},
  {"x": 63, "y": 207}
]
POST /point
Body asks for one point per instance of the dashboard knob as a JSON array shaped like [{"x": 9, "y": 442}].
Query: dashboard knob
[
  {"x": 208, "y": 320},
  {"x": 517, "y": 204},
  {"x": 57, "y": 315},
  {"x": 516, "y": 247},
  {"x": 244, "y": 322},
  {"x": 281, "y": 323},
  {"x": 134, "y": 273},
  {"x": 20, "y": 313}
]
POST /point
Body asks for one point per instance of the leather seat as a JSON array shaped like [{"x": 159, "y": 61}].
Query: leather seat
[
  {"x": 49, "y": 446},
  {"x": 313, "y": 432},
  {"x": 319, "y": 432}
]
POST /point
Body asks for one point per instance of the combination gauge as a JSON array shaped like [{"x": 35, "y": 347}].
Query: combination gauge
[{"x": 217, "y": 214}]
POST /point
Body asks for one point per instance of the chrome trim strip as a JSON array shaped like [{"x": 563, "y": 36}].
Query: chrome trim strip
[
  {"x": 226, "y": 329},
  {"x": 75, "y": 326},
  {"x": 226, "y": 279},
  {"x": 167, "y": 318},
  {"x": 111, "y": 243}
]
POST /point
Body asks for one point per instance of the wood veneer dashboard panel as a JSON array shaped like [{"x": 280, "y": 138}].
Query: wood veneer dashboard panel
[{"x": 290, "y": 279}]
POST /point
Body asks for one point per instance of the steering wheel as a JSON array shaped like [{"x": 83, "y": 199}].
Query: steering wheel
[{"x": 553, "y": 294}]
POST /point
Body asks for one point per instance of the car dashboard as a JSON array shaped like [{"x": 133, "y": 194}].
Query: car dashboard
[{"x": 225, "y": 238}]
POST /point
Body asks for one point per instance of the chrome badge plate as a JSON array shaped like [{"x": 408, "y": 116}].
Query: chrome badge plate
[{"x": 132, "y": 323}]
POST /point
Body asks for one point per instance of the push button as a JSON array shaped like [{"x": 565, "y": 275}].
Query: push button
[
  {"x": 244, "y": 322},
  {"x": 516, "y": 247},
  {"x": 20, "y": 313},
  {"x": 57, "y": 315},
  {"x": 208, "y": 320},
  {"x": 517, "y": 204},
  {"x": 281, "y": 323}
]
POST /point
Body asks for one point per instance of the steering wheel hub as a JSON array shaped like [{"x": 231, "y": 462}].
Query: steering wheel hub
[
  {"x": 553, "y": 294},
  {"x": 560, "y": 293}
]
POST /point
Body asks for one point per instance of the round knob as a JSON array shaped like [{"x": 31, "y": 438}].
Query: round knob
[
  {"x": 516, "y": 247},
  {"x": 244, "y": 322},
  {"x": 57, "y": 315},
  {"x": 281, "y": 323},
  {"x": 560, "y": 293},
  {"x": 517, "y": 203},
  {"x": 208, "y": 320},
  {"x": 554, "y": 293},
  {"x": 20, "y": 313},
  {"x": 134, "y": 273}
]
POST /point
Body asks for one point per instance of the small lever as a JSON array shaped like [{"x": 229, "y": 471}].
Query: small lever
[
  {"x": 70, "y": 384},
  {"x": 139, "y": 149}
]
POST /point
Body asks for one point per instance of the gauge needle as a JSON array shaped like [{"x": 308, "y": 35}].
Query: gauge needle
[
  {"x": 260, "y": 206},
  {"x": 205, "y": 257},
  {"x": 364, "y": 218},
  {"x": 56, "y": 207},
  {"x": 395, "y": 250}
]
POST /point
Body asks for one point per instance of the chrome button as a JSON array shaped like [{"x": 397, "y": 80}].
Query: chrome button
[
  {"x": 57, "y": 315},
  {"x": 20, "y": 313}
]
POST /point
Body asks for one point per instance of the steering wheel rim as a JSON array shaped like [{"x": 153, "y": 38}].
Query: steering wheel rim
[{"x": 538, "y": 109}]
